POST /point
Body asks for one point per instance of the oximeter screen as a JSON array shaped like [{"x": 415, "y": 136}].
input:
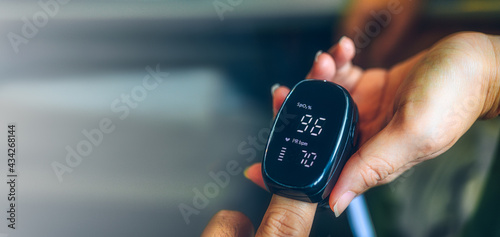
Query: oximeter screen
[{"x": 306, "y": 134}]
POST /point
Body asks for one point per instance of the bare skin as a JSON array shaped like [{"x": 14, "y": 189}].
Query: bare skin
[{"x": 408, "y": 114}]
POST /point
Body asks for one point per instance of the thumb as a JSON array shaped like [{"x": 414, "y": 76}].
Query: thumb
[{"x": 380, "y": 160}]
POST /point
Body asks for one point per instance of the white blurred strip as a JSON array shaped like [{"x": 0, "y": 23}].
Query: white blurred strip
[{"x": 173, "y": 9}]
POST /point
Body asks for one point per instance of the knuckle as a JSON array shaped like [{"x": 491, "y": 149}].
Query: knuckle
[
  {"x": 468, "y": 37},
  {"x": 464, "y": 48},
  {"x": 429, "y": 138},
  {"x": 428, "y": 145},
  {"x": 282, "y": 222},
  {"x": 400, "y": 173},
  {"x": 426, "y": 136},
  {"x": 375, "y": 171}
]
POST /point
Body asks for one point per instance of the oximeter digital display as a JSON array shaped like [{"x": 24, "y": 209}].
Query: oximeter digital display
[{"x": 313, "y": 135}]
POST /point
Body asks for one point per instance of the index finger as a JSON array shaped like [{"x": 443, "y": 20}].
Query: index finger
[{"x": 287, "y": 217}]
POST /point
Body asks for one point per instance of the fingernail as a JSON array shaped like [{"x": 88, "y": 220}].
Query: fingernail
[
  {"x": 341, "y": 39},
  {"x": 245, "y": 173},
  {"x": 274, "y": 87},
  {"x": 317, "y": 55},
  {"x": 343, "y": 202},
  {"x": 344, "y": 43}
]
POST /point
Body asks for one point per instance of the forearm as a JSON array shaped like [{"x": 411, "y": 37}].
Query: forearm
[{"x": 491, "y": 107}]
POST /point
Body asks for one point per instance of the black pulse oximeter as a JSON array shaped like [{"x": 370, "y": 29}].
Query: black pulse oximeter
[{"x": 313, "y": 135}]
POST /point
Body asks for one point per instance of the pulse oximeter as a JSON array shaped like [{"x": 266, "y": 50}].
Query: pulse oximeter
[{"x": 313, "y": 136}]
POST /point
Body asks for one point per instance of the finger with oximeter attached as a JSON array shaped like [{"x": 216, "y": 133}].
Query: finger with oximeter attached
[
  {"x": 312, "y": 137},
  {"x": 287, "y": 217}
]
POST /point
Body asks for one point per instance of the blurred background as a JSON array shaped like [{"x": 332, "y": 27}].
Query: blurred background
[{"x": 67, "y": 65}]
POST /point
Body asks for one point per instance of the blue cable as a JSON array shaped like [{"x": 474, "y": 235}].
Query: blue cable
[{"x": 359, "y": 218}]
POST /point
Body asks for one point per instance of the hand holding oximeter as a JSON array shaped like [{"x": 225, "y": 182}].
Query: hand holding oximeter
[{"x": 313, "y": 136}]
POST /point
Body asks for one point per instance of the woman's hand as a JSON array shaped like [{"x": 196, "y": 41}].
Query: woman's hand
[{"x": 411, "y": 113}]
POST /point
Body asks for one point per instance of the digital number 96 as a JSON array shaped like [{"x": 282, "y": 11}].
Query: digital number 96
[{"x": 306, "y": 123}]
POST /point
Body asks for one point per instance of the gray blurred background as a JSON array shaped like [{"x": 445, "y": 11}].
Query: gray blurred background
[{"x": 64, "y": 79}]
